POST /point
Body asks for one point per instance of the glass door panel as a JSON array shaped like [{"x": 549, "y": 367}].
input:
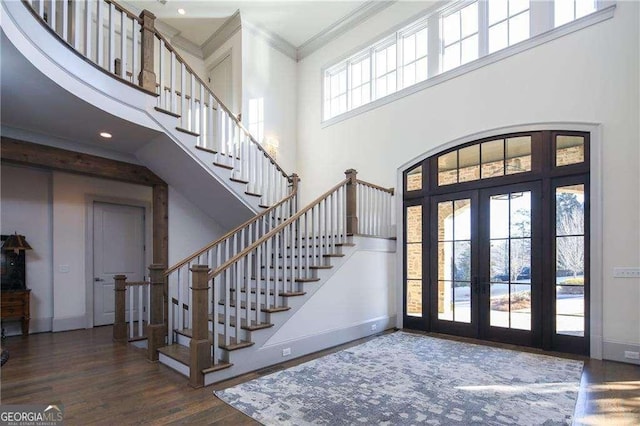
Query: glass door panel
[
  {"x": 509, "y": 251},
  {"x": 452, "y": 221},
  {"x": 413, "y": 260},
  {"x": 570, "y": 260},
  {"x": 510, "y": 260}
]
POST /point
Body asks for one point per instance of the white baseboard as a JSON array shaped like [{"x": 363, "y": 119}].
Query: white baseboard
[
  {"x": 270, "y": 355},
  {"x": 36, "y": 325},
  {"x": 69, "y": 323},
  {"x": 614, "y": 351}
]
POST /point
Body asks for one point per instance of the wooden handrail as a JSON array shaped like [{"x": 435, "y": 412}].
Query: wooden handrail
[
  {"x": 123, "y": 10},
  {"x": 230, "y": 233},
  {"x": 374, "y": 186},
  {"x": 274, "y": 231},
  {"x": 224, "y": 107}
]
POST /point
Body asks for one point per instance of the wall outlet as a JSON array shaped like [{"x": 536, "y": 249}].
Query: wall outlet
[
  {"x": 374, "y": 327},
  {"x": 286, "y": 352},
  {"x": 631, "y": 355},
  {"x": 626, "y": 272}
]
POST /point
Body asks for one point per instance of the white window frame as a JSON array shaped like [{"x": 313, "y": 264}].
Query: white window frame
[
  {"x": 382, "y": 45},
  {"x": 355, "y": 60},
  {"x": 457, "y": 7},
  {"x": 508, "y": 20},
  {"x": 541, "y": 30},
  {"x": 408, "y": 32}
]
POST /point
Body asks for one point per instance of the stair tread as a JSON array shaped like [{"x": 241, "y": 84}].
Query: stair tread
[
  {"x": 321, "y": 267},
  {"x": 178, "y": 352},
  {"x": 209, "y": 150},
  {"x": 243, "y": 305},
  {"x": 224, "y": 166},
  {"x": 182, "y": 355},
  {"x": 238, "y": 180},
  {"x": 271, "y": 292},
  {"x": 333, "y": 255},
  {"x": 253, "y": 327},
  {"x": 166, "y": 111},
  {"x": 307, "y": 280},
  {"x": 233, "y": 345},
  {"x": 263, "y": 206},
  {"x": 253, "y": 194},
  {"x": 189, "y": 132}
]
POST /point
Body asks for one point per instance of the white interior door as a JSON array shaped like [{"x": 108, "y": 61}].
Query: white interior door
[
  {"x": 221, "y": 82},
  {"x": 118, "y": 248}
]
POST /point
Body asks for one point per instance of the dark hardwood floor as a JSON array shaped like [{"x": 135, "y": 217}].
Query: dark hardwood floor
[{"x": 101, "y": 382}]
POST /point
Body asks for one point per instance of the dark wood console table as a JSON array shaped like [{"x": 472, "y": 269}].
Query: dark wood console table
[{"x": 14, "y": 304}]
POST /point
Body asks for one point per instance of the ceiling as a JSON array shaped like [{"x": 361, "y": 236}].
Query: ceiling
[
  {"x": 28, "y": 91},
  {"x": 295, "y": 21}
]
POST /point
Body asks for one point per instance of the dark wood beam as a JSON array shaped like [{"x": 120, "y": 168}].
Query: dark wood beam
[
  {"x": 31, "y": 154},
  {"x": 34, "y": 155}
]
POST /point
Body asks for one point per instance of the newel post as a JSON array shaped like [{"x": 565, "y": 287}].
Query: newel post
[
  {"x": 199, "y": 347},
  {"x": 147, "y": 77},
  {"x": 156, "y": 329},
  {"x": 352, "y": 202},
  {"x": 119, "y": 324},
  {"x": 295, "y": 181}
]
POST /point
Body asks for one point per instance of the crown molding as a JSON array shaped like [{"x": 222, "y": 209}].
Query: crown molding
[
  {"x": 188, "y": 46},
  {"x": 349, "y": 21},
  {"x": 231, "y": 26},
  {"x": 272, "y": 39}
]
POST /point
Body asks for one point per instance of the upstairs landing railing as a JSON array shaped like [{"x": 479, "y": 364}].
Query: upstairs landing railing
[{"x": 131, "y": 48}]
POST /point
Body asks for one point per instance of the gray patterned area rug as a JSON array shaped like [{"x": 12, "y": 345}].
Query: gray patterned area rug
[{"x": 407, "y": 379}]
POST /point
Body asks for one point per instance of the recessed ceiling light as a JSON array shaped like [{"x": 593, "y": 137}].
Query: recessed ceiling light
[
  {"x": 181, "y": 11},
  {"x": 105, "y": 135}
]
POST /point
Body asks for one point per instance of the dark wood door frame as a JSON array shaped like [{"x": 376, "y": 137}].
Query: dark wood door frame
[{"x": 13, "y": 151}]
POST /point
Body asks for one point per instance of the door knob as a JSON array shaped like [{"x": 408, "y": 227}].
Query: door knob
[{"x": 96, "y": 279}]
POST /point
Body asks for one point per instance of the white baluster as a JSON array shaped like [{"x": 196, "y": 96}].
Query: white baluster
[
  {"x": 131, "y": 294},
  {"x": 204, "y": 141},
  {"x": 192, "y": 104},
  {"x": 215, "y": 286},
  {"x": 123, "y": 45},
  {"x": 227, "y": 306},
  {"x": 183, "y": 96},
  {"x": 65, "y": 20},
  {"x": 41, "y": 8},
  {"x": 52, "y": 14},
  {"x": 173, "y": 104},
  {"x": 135, "y": 58},
  {"x": 140, "y": 309},
  {"x": 180, "y": 299},
  {"x": 162, "y": 94},
  {"x": 100, "y": 34},
  {"x": 112, "y": 37}
]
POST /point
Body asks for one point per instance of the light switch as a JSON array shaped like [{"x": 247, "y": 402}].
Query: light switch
[
  {"x": 626, "y": 272},
  {"x": 63, "y": 269}
]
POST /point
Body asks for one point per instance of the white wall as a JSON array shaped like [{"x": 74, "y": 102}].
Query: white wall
[
  {"x": 52, "y": 210},
  {"x": 26, "y": 209},
  {"x": 362, "y": 290},
  {"x": 587, "y": 76},
  {"x": 269, "y": 74},
  {"x": 71, "y": 201},
  {"x": 190, "y": 228},
  {"x": 233, "y": 45}
]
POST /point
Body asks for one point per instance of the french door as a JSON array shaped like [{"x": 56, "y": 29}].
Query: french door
[{"x": 485, "y": 263}]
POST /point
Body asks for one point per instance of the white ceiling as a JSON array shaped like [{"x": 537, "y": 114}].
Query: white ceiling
[{"x": 295, "y": 21}]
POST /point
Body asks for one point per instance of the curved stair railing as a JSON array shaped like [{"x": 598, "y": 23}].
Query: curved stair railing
[{"x": 131, "y": 49}]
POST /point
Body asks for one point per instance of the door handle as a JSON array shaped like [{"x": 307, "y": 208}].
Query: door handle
[{"x": 96, "y": 279}]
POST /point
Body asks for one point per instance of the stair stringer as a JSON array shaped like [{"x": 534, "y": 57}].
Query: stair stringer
[{"x": 266, "y": 351}]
